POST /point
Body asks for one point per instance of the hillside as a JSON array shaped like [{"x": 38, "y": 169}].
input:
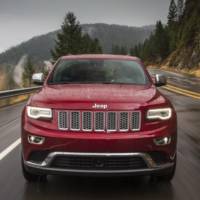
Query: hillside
[
  {"x": 39, "y": 47},
  {"x": 177, "y": 43},
  {"x": 187, "y": 53}
]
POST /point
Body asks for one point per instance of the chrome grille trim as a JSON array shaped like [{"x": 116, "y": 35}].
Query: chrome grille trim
[
  {"x": 87, "y": 121},
  {"x": 99, "y": 121},
  {"x": 111, "y": 121},
  {"x": 48, "y": 160},
  {"x": 63, "y": 120},
  {"x": 135, "y": 124},
  {"x": 75, "y": 121},
  {"x": 123, "y": 121}
]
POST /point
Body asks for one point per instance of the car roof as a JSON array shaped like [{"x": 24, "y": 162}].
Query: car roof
[{"x": 101, "y": 57}]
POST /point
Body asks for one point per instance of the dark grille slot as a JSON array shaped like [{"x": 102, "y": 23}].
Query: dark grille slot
[
  {"x": 111, "y": 121},
  {"x": 101, "y": 163},
  {"x": 135, "y": 121},
  {"x": 123, "y": 121},
  {"x": 38, "y": 156},
  {"x": 62, "y": 120},
  {"x": 75, "y": 121},
  {"x": 99, "y": 121},
  {"x": 159, "y": 157},
  {"x": 87, "y": 121}
]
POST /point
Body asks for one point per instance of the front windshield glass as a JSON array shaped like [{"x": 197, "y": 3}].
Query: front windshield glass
[{"x": 98, "y": 71}]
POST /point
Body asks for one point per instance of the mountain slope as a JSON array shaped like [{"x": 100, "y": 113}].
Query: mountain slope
[
  {"x": 39, "y": 47},
  {"x": 187, "y": 54}
]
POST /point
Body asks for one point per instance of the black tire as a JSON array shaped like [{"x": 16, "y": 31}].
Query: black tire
[{"x": 30, "y": 177}]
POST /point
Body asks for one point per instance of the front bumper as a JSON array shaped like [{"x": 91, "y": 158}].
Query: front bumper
[
  {"x": 46, "y": 167},
  {"x": 97, "y": 145}
]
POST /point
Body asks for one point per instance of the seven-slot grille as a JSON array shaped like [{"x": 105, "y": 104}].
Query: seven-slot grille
[{"x": 99, "y": 121}]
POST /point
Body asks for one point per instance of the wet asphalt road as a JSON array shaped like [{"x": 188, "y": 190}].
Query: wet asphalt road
[
  {"x": 185, "y": 81},
  {"x": 185, "y": 185}
]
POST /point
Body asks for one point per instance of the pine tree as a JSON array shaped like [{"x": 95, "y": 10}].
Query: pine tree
[
  {"x": 132, "y": 51},
  {"x": 172, "y": 16},
  {"x": 119, "y": 50},
  {"x": 137, "y": 50},
  {"x": 180, "y": 9},
  {"x": 161, "y": 42},
  {"x": 27, "y": 74},
  {"x": 71, "y": 40},
  {"x": 188, "y": 41},
  {"x": 190, "y": 26},
  {"x": 156, "y": 47},
  {"x": 68, "y": 40},
  {"x": 181, "y": 37},
  {"x": 96, "y": 47},
  {"x": 124, "y": 50},
  {"x": 89, "y": 45},
  {"x": 148, "y": 50},
  {"x": 172, "y": 25},
  {"x": 116, "y": 49}
]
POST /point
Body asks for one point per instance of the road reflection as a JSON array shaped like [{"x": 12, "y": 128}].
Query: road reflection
[{"x": 137, "y": 188}]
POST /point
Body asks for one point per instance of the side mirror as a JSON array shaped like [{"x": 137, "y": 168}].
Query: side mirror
[
  {"x": 38, "y": 78},
  {"x": 160, "y": 80}
]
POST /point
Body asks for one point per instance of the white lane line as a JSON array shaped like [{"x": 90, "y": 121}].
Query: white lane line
[{"x": 6, "y": 151}]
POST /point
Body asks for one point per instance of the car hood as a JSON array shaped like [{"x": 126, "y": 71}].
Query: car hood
[{"x": 84, "y": 94}]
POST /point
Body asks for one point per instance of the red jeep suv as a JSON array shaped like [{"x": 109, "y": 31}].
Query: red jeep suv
[{"x": 99, "y": 115}]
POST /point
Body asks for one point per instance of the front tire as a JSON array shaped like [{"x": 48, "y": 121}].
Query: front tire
[{"x": 30, "y": 177}]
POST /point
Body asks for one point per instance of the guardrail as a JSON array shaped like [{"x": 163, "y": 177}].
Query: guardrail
[{"x": 22, "y": 91}]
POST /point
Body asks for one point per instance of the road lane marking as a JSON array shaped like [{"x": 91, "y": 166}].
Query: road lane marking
[
  {"x": 11, "y": 106},
  {"x": 6, "y": 151},
  {"x": 184, "y": 92},
  {"x": 179, "y": 92}
]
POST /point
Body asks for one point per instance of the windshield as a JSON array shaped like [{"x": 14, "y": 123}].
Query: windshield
[{"x": 98, "y": 71}]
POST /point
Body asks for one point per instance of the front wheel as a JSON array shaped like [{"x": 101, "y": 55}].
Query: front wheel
[{"x": 30, "y": 177}]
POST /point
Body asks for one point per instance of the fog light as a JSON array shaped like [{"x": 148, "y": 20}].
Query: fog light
[
  {"x": 162, "y": 141},
  {"x": 32, "y": 139}
]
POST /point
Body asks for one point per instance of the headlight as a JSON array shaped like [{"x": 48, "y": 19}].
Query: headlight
[
  {"x": 36, "y": 113},
  {"x": 162, "y": 113}
]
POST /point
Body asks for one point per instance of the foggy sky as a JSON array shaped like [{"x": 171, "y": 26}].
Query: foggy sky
[{"x": 22, "y": 19}]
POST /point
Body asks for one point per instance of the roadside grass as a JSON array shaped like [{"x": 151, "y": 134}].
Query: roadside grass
[
  {"x": 2, "y": 80},
  {"x": 13, "y": 100},
  {"x": 190, "y": 72}
]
